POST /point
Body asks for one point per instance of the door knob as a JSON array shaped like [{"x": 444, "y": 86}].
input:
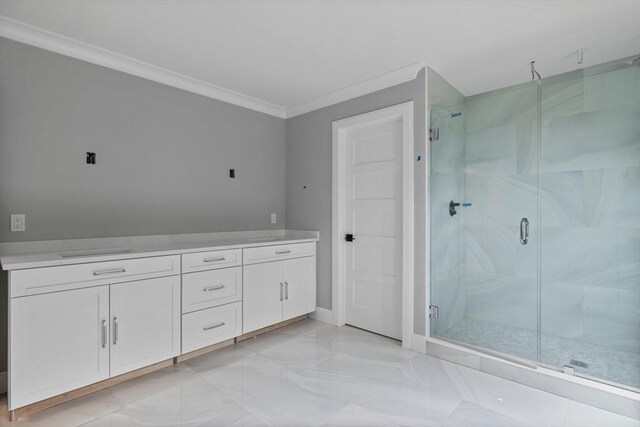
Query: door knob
[{"x": 349, "y": 237}]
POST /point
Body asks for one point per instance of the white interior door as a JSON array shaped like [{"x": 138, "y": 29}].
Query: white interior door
[{"x": 373, "y": 214}]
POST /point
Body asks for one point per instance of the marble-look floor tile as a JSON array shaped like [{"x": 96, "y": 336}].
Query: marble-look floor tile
[
  {"x": 74, "y": 412},
  {"x": 313, "y": 375},
  {"x": 114, "y": 419},
  {"x": 356, "y": 416},
  {"x": 266, "y": 341},
  {"x": 273, "y": 393},
  {"x": 580, "y": 415},
  {"x": 219, "y": 359},
  {"x": 193, "y": 403},
  {"x": 146, "y": 385},
  {"x": 469, "y": 414},
  {"x": 526, "y": 404}
]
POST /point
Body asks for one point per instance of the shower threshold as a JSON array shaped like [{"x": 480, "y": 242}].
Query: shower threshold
[
  {"x": 582, "y": 389},
  {"x": 597, "y": 361}
]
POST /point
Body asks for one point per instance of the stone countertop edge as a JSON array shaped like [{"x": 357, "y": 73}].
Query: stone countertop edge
[{"x": 37, "y": 254}]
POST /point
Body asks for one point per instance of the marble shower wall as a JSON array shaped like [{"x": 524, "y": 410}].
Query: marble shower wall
[{"x": 590, "y": 207}]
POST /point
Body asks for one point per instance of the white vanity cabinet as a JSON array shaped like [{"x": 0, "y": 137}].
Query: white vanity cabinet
[
  {"x": 76, "y": 322},
  {"x": 275, "y": 291},
  {"x": 80, "y": 329},
  {"x": 58, "y": 342}
]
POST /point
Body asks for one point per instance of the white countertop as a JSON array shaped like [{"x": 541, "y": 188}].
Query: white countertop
[{"x": 21, "y": 255}]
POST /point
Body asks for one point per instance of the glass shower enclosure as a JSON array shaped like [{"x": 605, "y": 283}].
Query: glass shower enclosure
[{"x": 535, "y": 223}]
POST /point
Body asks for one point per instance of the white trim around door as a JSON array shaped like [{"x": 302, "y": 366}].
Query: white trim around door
[{"x": 405, "y": 113}]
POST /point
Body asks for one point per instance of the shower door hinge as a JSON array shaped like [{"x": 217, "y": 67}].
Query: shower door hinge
[
  {"x": 433, "y": 312},
  {"x": 434, "y": 134}
]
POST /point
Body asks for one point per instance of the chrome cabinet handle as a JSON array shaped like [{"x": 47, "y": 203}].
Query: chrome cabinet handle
[
  {"x": 213, "y": 288},
  {"x": 524, "y": 231},
  {"x": 217, "y": 325},
  {"x": 281, "y": 290},
  {"x": 115, "y": 330},
  {"x": 218, "y": 258},
  {"x": 282, "y": 252},
  {"x": 111, "y": 271},
  {"x": 286, "y": 290},
  {"x": 104, "y": 334}
]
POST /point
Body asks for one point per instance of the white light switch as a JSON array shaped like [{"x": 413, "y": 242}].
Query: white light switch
[
  {"x": 18, "y": 222},
  {"x": 273, "y": 218}
]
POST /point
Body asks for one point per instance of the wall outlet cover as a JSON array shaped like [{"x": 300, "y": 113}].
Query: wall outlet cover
[
  {"x": 273, "y": 218},
  {"x": 18, "y": 222}
]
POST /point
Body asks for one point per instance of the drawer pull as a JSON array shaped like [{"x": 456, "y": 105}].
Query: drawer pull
[
  {"x": 286, "y": 290},
  {"x": 213, "y": 288},
  {"x": 111, "y": 271},
  {"x": 214, "y": 259},
  {"x": 282, "y": 252},
  {"x": 217, "y": 325}
]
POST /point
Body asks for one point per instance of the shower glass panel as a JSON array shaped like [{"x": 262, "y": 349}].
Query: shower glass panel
[
  {"x": 483, "y": 271},
  {"x": 564, "y": 153},
  {"x": 590, "y": 223}
]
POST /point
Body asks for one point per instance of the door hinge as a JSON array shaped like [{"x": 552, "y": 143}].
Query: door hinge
[
  {"x": 433, "y": 312},
  {"x": 434, "y": 134}
]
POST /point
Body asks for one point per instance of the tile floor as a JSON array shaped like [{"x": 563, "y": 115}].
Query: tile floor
[{"x": 311, "y": 373}]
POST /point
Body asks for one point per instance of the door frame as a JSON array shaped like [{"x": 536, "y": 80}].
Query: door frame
[{"x": 403, "y": 111}]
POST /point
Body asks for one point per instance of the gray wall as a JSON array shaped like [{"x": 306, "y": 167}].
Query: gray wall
[
  {"x": 309, "y": 164},
  {"x": 163, "y": 154}
]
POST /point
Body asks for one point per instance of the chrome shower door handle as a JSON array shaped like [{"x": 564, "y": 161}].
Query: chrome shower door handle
[{"x": 524, "y": 231}]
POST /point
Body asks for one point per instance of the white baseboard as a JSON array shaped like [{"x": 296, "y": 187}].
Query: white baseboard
[
  {"x": 419, "y": 343},
  {"x": 3, "y": 382},
  {"x": 323, "y": 315}
]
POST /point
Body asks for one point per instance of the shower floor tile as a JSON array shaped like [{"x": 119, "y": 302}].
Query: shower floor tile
[{"x": 605, "y": 363}]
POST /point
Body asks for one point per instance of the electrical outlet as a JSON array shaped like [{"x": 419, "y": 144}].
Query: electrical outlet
[
  {"x": 273, "y": 218},
  {"x": 18, "y": 222}
]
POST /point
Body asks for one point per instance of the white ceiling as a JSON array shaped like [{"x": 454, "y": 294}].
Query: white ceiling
[{"x": 287, "y": 53}]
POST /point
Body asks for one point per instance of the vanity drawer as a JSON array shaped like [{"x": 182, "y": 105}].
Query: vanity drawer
[
  {"x": 275, "y": 253},
  {"x": 211, "y": 288},
  {"x": 211, "y": 260},
  {"x": 52, "y": 279},
  {"x": 211, "y": 326}
]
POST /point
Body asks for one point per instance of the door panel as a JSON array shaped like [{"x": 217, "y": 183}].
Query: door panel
[
  {"x": 299, "y": 276},
  {"x": 58, "y": 343},
  {"x": 373, "y": 206},
  {"x": 262, "y": 298},
  {"x": 145, "y": 323},
  {"x": 483, "y": 278}
]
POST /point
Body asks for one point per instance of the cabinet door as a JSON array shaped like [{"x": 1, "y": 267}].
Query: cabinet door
[
  {"x": 145, "y": 323},
  {"x": 58, "y": 342},
  {"x": 299, "y": 276},
  {"x": 262, "y": 297}
]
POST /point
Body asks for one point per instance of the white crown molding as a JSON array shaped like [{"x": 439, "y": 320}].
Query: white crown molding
[
  {"x": 28, "y": 34},
  {"x": 25, "y": 33},
  {"x": 383, "y": 81}
]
